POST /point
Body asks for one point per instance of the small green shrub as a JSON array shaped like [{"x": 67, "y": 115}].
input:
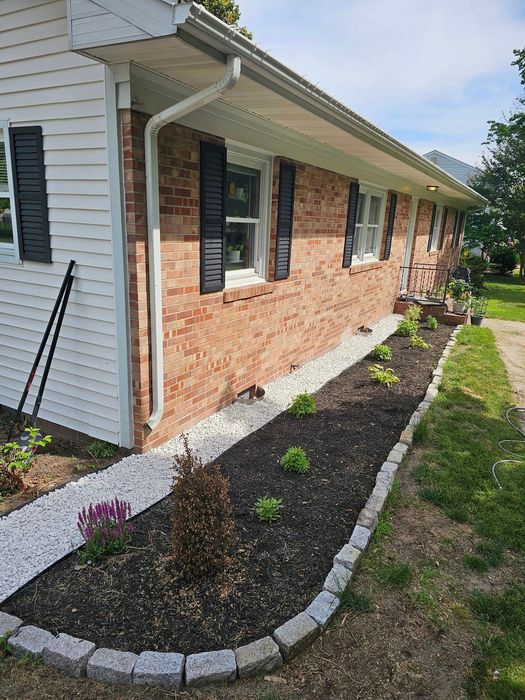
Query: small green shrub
[
  {"x": 386, "y": 377},
  {"x": 407, "y": 328},
  {"x": 416, "y": 341},
  {"x": 268, "y": 509},
  {"x": 413, "y": 313},
  {"x": 382, "y": 353},
  {"x": 303, "y": 405},
  {"x": 100, "y": 449},
  {"x": 295, "y": 460},
  {"x": 432, "y": 323},
  {"x": 15, "y": 460}
]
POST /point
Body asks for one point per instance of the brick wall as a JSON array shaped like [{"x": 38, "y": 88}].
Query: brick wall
[
  {"x": 216, "y": 345},
  {"x": 446, "y": 255}
]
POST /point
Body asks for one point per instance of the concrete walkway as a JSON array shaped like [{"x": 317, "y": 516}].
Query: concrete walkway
[{"x": 510, "y": 341}]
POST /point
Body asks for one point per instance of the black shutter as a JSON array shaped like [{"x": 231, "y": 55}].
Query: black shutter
[
  {"x": 353, "y": 199},
  {"x": 461, "y": 223},
  {"x": 390, "y": 225},
  {"x": 443, "y": 227},
  {"x": 30, "y": 193},
  {"x": 283, "y": 244},
  {"x": 429, "y": 244},
  {"x": 455, "y": 229},
  {"x": 213, "y": 216}
]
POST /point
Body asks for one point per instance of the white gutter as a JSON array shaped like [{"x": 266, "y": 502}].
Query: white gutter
[
  {"x": 154, "y": 125},
  {"x": 217, "y": 37}
]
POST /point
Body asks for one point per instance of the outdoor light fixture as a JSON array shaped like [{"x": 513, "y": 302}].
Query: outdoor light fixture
[{"x": 432, "y": 188}]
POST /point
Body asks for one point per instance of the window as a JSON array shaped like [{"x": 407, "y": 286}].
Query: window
[
  {"x": 369, "y": 224},
  {"x": 247, "y": 216},
  {"x": 435, "y": 229},
  {"x": 8, "y": 239}
]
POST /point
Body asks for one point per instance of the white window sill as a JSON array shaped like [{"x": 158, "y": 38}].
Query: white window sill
[
  {"x": 240, "y": 279},
  {"x": 365, "y": 261}
]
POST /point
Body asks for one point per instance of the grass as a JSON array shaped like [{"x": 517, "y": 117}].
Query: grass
[
  {"x": 461, "y": 432},
  {"x": 506, "y": 297},
  {"x": 499, "y": 668}
]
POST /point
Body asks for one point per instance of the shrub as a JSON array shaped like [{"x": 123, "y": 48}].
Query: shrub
[
  {"x": 416, "y": 341},
  {"x": 407, "y": 328},
  {"x": 268, "y": 509},
  {"x": 15, "y": 460},
  {"x": 382, "y": 353},
  {"x": 100, "y": 449},
  {"x": 477, "y": 267},
  {"x": 295, "y": 460},
  {"x": 504, "y": 261},
  {"x": 432, "y": 323},
  {"x": 387, "y": 376},
  {"x": 413, "y": 313},
  {"x": 303, "y": 405},
  {"x": 105, "y": 529},
  {"x": 203, "y": 526}
]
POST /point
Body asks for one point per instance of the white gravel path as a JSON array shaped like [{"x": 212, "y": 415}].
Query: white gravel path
[{"x": 37, "y": 535}]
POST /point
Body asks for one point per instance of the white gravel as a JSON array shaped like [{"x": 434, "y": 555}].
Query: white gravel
[{"x": 37, "y": 535}]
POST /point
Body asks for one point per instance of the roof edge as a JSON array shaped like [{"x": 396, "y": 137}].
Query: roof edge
[{"x": 231, "y": 41}]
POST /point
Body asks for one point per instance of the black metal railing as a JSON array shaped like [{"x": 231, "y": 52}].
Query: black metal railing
[{"x": 422, "y": 282}]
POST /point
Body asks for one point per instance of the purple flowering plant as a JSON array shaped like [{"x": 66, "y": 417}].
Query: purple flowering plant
[{"x": 105, "y": 529}]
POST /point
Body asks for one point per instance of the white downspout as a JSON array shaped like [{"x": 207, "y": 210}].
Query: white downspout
[{"x": 154, "y": 125}]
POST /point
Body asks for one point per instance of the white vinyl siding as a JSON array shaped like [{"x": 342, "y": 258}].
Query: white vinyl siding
[{"x": 43, "y": 83}]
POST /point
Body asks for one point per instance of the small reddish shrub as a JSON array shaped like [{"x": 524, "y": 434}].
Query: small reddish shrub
[{"x": 202, "y": 523}]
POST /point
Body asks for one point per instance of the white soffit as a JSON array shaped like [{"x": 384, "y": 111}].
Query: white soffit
[{"x": 180, "y": 61}]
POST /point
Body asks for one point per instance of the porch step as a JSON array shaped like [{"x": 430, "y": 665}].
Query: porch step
[{"x": 440, "y": 311}]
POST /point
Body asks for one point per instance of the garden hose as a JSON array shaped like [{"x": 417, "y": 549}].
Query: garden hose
[{"x": 516, "y": 441}]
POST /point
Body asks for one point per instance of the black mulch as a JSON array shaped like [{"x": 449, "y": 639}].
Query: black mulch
[{"x": 135, "y": 601}]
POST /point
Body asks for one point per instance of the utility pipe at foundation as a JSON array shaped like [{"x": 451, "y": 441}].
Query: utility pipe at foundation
[{"x": 151, "y": 132}]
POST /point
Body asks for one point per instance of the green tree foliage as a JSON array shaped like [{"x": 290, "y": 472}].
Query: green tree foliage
[
  {"x": 484, "y": 228},
  {"x": 502, "y": 180},
  {"x": 228, "y": 11}
]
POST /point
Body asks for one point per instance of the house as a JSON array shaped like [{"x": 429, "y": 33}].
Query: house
[
  {"x": 457, "y": 168},
  {"x": 228, "y": 219}
]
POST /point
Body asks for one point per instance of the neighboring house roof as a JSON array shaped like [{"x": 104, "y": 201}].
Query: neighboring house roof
[
  {"x": 457, "y": 168},
  {"x": 188, "y": 44}
]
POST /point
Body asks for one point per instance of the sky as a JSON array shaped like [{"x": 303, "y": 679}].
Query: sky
[{"x": 430, "y": 74}]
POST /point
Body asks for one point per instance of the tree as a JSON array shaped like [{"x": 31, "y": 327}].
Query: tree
[
  {"x": 502, "y": 179},
  {"x": 484, "y": 228},
  {"x": 228, "y": 11}
]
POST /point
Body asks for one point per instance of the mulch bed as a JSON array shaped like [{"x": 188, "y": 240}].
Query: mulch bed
[{"x": 136, "y": 601}]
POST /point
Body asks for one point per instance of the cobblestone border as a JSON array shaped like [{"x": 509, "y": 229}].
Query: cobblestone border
[{"x": 79, "y": 658}]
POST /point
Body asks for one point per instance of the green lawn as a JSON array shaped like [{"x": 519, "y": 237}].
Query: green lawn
[
  {"x": 506, "y": 297},
  {"x": 460, "y": 433}
]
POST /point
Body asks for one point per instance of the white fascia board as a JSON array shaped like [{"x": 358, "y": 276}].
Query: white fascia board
[
  {"x": 152, "y": 92},
  {"x": 213, "y": 37}
]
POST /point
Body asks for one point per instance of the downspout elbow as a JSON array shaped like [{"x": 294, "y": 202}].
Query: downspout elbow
[{"x": 151, "y": 131}]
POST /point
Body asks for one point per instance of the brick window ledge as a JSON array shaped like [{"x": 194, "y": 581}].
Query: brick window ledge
[
  {"x": 253, "y": 290},
  {"x": 366, "y": 267}
]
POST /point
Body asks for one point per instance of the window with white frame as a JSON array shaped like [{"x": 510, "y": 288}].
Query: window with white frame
[
  {"x": 8, "y": 240},
  {"x": 369, "y": 224},
  {"x": 436, "y": 228},
  {"x": 247, "y": 215}
]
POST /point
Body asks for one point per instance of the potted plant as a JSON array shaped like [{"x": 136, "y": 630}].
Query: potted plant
[
  {"x": 478, "y": 308},
  {"x": 460, "y": 292},
  {"x": 233, "y": 252}
]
